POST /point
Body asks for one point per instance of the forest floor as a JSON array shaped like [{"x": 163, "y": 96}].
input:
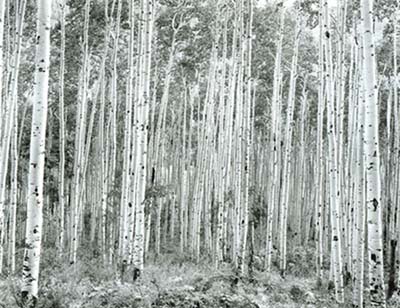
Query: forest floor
[{"x": 170, "y": 283}]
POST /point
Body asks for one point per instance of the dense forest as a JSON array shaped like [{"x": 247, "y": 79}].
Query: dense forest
[{"x": 210, "y": 153}]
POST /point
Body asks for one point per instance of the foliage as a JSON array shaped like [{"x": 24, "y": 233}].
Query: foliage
[
  {"x": 301, "y": 261},
  {"x": 175, "y": 283}
]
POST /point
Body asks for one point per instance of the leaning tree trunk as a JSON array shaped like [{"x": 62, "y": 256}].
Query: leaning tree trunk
[{"x": 30, "y": 273}]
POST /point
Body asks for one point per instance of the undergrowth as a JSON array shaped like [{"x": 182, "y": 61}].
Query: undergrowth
[{"x": 173, "y": 282}]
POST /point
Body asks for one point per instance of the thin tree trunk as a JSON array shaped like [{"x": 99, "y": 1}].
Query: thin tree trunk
[{"x": 61, "y": 189}]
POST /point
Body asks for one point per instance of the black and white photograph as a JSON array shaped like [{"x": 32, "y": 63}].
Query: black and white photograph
[{"x": 199, "y": 154}]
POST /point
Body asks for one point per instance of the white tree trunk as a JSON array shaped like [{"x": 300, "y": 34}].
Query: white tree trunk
[
  {"x": 287, "y": 162},
  {"x": 319, "y": 200},
  {"x": 334, "y": 190},
  {"x": 14, "y": 192},
  {"x": 126, "y": 205},
  {"x": 372, "y": 159},
  {"x": 62, "y": 133},
  {"x": 274, "y": 146},
  {"x": 8, "y": 117},
  {"x": 2, "y": 14},
  {"x": 30, "y": 273}
]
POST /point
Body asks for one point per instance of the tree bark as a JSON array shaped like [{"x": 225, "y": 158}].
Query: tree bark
[{"x": 30, "y": 273}]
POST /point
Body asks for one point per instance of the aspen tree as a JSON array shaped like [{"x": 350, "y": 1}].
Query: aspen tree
[
  {"x": 9, "y": 117},
  {"x": 186, "y": 177},
  {"x": 61, "y": 188},
  {"x": 159, "y": 143},
  {"x": 80, "y": 139},
  {"x": 300, "y": 210},
  {"x": 136, "y": 137},
  {"x": 195, "y": 193},
  {"x": 222, "y": 142},
  {"x": 113, "y": 131},
  {"x": 126, "y": 204},
  {"x": 274, "y": 144},
  {"x": 372, "y": 159},
  {"x": 86, "y": 192},
  {"x": 228, "y": 155},
  {"x": 30, "y": 273},
  {"x": 351, "y": 150},
  {"x": 143, "y": 114},
  {"x": 340, "y": 91},
  {"x": 334, "y": 188},
  {"x": 13, "y": 177},
  {"x": 287, "y": 159},
  {"x": 103, "y": 144},
  {"x": 183, "y": 177},
  {"x": 5, "y": 62},
  {"x": 238, "y": 135},
  {"x": 359, "y": 217},
  {"x": 14, "y": 191},
  {"x": 204, "y": 155},
  {"x": 2, "y": 18},
  {"x": 395, "y": 147},
  {"x": 391, "y": 170},
  {"x": 247, "y": 133},
  {"x": 319, "y": 200},
  {"x": 159, "y": 139}
]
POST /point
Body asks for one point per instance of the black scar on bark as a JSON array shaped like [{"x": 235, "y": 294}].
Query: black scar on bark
[
  {"x": 136, "y": 274},
  {"x": 373, "y": 257},
  {"x": 392, "y": 270},
  {"x": 153, "y": 175},
  {"x": 373, "y": 291},
  {"x": 327, "y": 34},
  {"x": 28, "y": 246},
  {"x": 375, "y": 203},
  {"x": 335, "y": 238}
]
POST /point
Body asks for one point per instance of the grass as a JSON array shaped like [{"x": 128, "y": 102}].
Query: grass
[{"x": 170, "y": 282}]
